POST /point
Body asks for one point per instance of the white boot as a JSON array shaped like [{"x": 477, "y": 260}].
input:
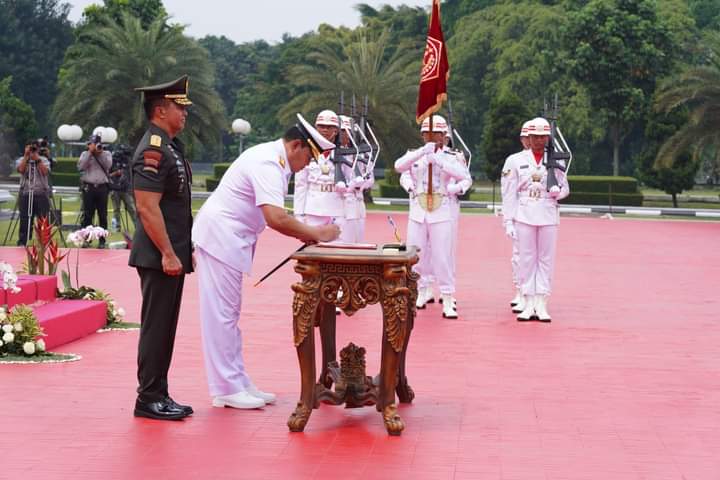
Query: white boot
[
  {"x": 529, "y": 309},
  {"x": 242, "y": 400},
  {"x": 541, "y": 308},
  {"x": 421, "y": 298},
  {"x": 448, "y": 307},
  {"x": 519, "y": 306},
  {"x": 516, "y": 299},
  {"x": 429, "y": 295},
  {"x": 268, "y": 398}
]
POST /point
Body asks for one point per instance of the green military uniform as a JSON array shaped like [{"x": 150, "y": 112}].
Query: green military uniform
[{"x": 159, "y": 166}]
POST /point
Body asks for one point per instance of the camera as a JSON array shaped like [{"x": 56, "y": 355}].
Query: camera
[{"x": 97, "y": 141}]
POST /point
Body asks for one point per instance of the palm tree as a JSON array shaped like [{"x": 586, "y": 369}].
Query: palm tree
[
  {"x": 697, "y": 90},
  {"x": 98, "y": 77},
  {"x": 361, "y": 66}
]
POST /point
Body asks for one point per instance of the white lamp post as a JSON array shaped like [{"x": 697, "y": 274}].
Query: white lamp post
[
  {"x": 69, "y": 133},
  {"x": 242, "y": 128}
]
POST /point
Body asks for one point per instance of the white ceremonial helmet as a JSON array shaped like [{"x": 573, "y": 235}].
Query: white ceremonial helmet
[
  {"x": 525, "y": 129},
  {"x": 539, "y": 126},
  {"x": 327, "y": 117},
  {"x": 345, "y": 122},
  {"x": 439, "y": 125}
]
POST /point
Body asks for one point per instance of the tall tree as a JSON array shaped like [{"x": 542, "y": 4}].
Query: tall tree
[
  {"x": 502, "y": 132},
  {"x": 359, "y": 67},
  {"x": 17, "y": 125},
  {"x": 696, "y": 90},
  {"x": 34, "y": 35},
  {"x": 99, "y": 77},
  {"x": 147, "y": 11},
  {"x": 618, "y": 49}
]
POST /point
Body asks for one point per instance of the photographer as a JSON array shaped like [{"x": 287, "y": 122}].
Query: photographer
[
  {"x": 120, "y": 186},
  {"x": 44, "y": 145},
  {"x": 34, "y": 194},
  {"x": 94, "y": 164}
]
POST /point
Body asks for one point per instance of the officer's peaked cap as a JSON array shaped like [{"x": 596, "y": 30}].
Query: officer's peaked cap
[
  {"x": 317, "y": 142},
  {"x": 176, "y": 90}
]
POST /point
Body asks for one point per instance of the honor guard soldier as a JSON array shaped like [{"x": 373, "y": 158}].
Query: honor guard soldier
[
  {"x": 535, "y": 218},
  {"x": 250, "y": 196},
  {"x": 517, "y": 303},
  {"x": 161, "y": 249},
  {"x": 353, "y": 230},
  {"x": 316, "y": 200},
  {"x": 430, "y": 226}
]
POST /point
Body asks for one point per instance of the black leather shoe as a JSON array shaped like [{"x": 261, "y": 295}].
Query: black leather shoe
[
  {"x": 158, "y": 410},
  {"x": 187, "y": 409}
]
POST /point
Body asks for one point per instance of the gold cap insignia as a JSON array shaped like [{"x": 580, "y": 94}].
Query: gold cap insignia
[{"x": 282, "y": 161}]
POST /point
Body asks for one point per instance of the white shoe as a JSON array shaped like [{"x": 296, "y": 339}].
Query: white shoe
[
  {"x": 448, "y": 307},
  {"x": 516, "y": 299},
  {"x": 242, "y": 400},
  {"x": 429, "y": 295},
  {"x": 520, "y": 306},
  {"x": 268, "y": 398},
  {"x": 541, "y": 308},
  {"x": 529, "y": 309},
  {"x": 421, "y": 299}
]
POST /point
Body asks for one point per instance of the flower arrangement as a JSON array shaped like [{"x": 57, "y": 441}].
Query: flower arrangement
[
  {"x": 44, "y": 251},
  {"x": 20, "y": 332},
  {"x": 79, "y": 239},
  {"x": 114, "y": 315},
  {"x": 9, "y": 277}
]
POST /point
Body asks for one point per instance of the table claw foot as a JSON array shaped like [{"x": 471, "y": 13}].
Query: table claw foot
[
  {"x": 405, "y": 393},
  {"x": 299, "y": 418},
  {"x": 393, "y": 422}
]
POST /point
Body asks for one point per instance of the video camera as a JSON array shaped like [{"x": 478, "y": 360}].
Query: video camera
[{"x": 95, "y": 140}]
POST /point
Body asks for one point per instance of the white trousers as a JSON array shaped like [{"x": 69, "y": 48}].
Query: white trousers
[
  {"x": 220, "y": 302},
  {"x": 515, "y": 262},
  {"x": 436, "y": 238},
  {"x": 455, "y": 218},
  {"x": 536, "y": 246}
]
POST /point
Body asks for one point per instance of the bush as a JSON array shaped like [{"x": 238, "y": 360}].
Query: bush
[
  {"x": 65, "y": 165},
  {"x": 600, "y": 184},
  {"x": 389, "y": 190},
  {"x": 219, "y": 170},
  {"x": 211, "y": 184},
  {"x": 65, "y": 179},
  {"x": 597, "y": 198}
]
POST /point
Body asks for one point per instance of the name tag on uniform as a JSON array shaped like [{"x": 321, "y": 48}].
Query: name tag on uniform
[{"x": 524, "y": 166}]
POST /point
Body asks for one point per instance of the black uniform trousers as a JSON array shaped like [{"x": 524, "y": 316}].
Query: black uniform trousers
[
  {"x": 161, "y": 296},
  {"x": 95, "y": 198},
  {"x": 40, "y": 208}
]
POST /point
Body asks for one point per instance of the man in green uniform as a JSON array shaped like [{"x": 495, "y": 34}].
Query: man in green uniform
[{"x": 162, "y": 247}]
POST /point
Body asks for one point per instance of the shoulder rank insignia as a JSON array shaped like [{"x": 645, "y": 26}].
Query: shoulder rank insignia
[
  {"x": 505, "y": 173},
  {"x": 151, "y": 161},
  {"x": 155, "y": 141},
  {"x": 281, "y": 160}
]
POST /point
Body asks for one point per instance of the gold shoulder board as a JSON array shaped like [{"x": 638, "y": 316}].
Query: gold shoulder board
[{"x": 155, "y": 141}]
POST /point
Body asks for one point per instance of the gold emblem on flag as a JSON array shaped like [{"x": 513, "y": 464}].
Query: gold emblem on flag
[{"x": 431, "y": 59}]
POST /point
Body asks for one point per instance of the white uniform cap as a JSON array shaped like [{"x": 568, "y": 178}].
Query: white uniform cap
[
  {"x": 317, "y": 142},
  {"x": 439, "y": 125},
  {"x": 327, "y": 117},
  {"x": 525, "y": 129},
  {"x": 345, "y": 122},
  {"x": 539, "y": 126}
]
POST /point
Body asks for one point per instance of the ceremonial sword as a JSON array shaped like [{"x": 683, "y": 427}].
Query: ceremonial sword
[{"x": 302, "y": 247}]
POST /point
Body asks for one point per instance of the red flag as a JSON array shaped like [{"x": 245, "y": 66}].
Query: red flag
[{"x": 435, "y": 70}]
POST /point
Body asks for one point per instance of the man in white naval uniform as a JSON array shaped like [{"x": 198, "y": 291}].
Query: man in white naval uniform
[
  {"x": 250, "y": 196},
  {"x": 319, "y": 187},
  {"x": 430, "y": 223},
  {"x": 535, "y": 216},
  {"x": 517, "y": 304},
  {"x": 353, "y": 229}
]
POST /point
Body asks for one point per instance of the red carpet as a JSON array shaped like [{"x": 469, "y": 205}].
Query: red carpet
[{"x": 624, "y": 384}]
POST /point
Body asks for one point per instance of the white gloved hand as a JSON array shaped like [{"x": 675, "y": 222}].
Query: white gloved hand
[
  {"x": 454, "y": 189},
  {"x": 340, "y": 187},
  {"x": 535, "y": 188},
  {"x": 428, "y": 148},
  {"x": 355, "y": 183},
  {"x": 554, "y": 192},
  {"x": 367, "y": 184},
  {"x": 510, "y": 230}
]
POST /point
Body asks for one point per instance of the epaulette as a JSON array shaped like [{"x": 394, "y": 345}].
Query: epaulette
[{"x": 155, "y": 141}]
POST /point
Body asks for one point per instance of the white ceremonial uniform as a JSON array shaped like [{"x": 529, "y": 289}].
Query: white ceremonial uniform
[
  {"x": 225, "y": 233},
  {"x": 316, "y": 201},
  {"x": 536, "y": 216},
  {"x": 432, "y": 230},
  {"x": 353, "y": 230},
  {"x": 464, "y": 185},
  {"x": 508, "y": 215}
]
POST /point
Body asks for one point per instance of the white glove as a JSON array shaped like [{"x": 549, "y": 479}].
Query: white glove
[
  {"x": 341, "y": 188},
  {"x": 428, "y": 148},
  {"x": 554, "y": 192},
  {"x": 454, "y": 189},
  {"x": 355, "y": 183},
  {"x": 535, "y": 188},
  {"x": 510, "y": 230},
  {"x": 367, "y": 184}
]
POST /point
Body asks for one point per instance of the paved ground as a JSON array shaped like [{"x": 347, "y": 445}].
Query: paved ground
[{"x": 624, "y": 384}]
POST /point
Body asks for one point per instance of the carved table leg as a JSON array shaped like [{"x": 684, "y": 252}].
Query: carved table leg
[
  {"x": 404, "y": 390},
  {"x": 306, "y": 358},
  {"x": 388, "y": 380},
  {"x": 327, "y": 340}
]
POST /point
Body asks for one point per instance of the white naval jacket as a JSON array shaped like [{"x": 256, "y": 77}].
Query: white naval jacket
[
  {"x": 447, "y": 168},
  {"x": 525, "y": 198},
  {"x": 229, "y": 222},
  {"x": 315, "y": 190}
]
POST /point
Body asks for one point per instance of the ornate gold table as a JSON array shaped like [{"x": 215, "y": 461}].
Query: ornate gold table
[{"x": 362, "y": 277}]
